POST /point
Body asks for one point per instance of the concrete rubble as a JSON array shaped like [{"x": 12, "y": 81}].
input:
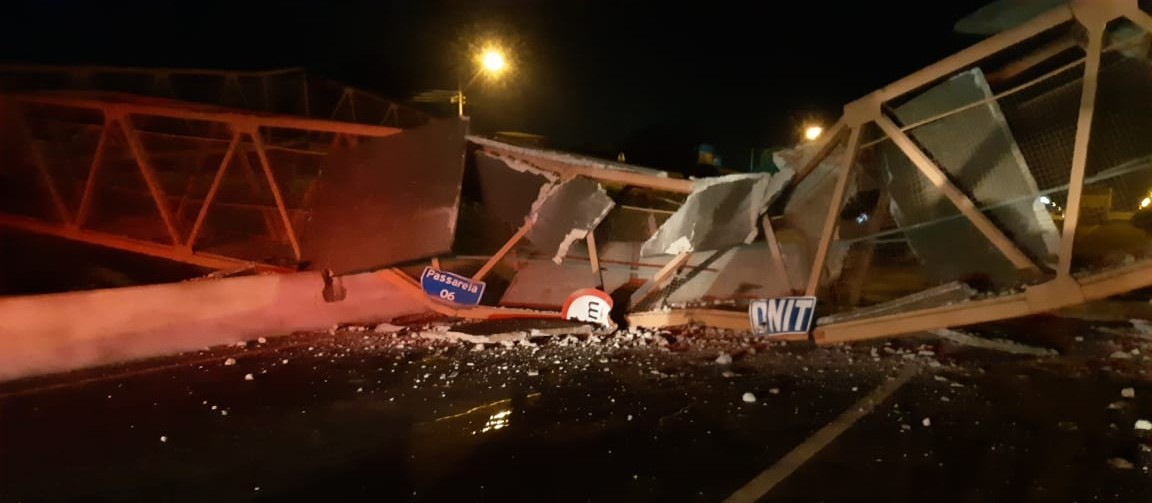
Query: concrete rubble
[
  {"x": 720, "y": 212},
  {"x": 566, "y": 214}
]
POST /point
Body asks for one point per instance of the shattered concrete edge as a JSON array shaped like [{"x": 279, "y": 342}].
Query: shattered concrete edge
[
  {"x": 590, "y": 162},
  {"x": 933, "y": 297},
  {"x": 1001, "y": 345},
  {"x": 684, "y": 221},
  {"x": 578, "y": 234},
  {"x": 520, "y": 166}
]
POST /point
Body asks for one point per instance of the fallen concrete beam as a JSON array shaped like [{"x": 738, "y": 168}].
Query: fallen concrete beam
[{"x": 67, "y": 331}]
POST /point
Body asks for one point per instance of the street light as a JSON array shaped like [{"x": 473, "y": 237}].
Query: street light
[
  {"x": 491, "y": 63},
  {"x": 811, "y": 133}
]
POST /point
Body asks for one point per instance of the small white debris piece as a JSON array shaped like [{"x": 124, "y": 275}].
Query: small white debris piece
[
  {"x": 229, "y": 362},
  {"x": 387, "y": 328},
  {"x": 1120, "y": 355},
  {"x": 1143, "y": 424},
  {"x": 1079, "y": 338},
  {"x": 1128, "y": 393},
  {"x": 629, "y": 417},
  {"x": 724, "y": 359},
  {"x": 261, "y": 340},
  {"x": 284, "y": 361},
  {"x": 257, "y": 488},
  {"x": 774, "y": 391},
  {"x": 248, "y": 377},
  {"x": 749, "y": 398},
  {"x": 728, "y": 374},
  {"x": 223, "y": 413},
  {"x": 533, "y": 373},
  {"x": 241, "y": 344},
  {"x": 1121, "y": 464},
  {"x": 926, "y": 422},
  {"x": 359, "y": 390},
  {"x": 163, "y": 438}
]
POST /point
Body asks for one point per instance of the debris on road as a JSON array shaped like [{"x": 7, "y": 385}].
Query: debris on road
[
  {"x": 749, "y": 398},
  {"x": 1128, "y": 393},
  {"x": 1121, "y": 464},
  {"x": 724, "y": 359},
  {"x": 248, "y": 377},
  {"x": 387, "y": 328},
  {"x": 1143, "y": 425},
  {"x": 992, "y": 344},
  {"x": 229, "y": 362}
]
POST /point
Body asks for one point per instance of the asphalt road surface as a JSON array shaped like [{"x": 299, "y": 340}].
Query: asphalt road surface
[{"x": 365, "y": 416}]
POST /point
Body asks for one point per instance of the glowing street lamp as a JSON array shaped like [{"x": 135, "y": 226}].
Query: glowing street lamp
[
  {"x": 492, "y": 62},
  {"x": 811, "y": 133}
]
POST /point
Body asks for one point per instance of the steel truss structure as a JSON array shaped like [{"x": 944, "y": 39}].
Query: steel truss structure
[{"x": 1005, "y": 167}]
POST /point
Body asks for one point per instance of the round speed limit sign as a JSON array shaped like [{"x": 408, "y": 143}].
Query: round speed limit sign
[{"x": 588, "y": 305}]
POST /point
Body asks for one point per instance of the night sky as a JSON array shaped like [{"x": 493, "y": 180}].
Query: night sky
[{"x": 589, "y": 74}]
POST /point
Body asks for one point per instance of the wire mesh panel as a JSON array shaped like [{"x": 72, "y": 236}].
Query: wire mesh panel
[
  {"x": 978, "y": 151},
  {"x": 1115, "y": 225}
]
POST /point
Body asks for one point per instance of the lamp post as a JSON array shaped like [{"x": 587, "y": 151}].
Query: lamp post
[{"x": 491, "y": 62}]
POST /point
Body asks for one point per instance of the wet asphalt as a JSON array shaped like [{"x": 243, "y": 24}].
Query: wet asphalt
[{"x": 362, "y": 416}]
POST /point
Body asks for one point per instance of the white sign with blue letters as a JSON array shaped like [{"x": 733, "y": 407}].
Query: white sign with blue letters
[
  {"x": 451, "y": 287},
  {"x": 782, "y": 316}
]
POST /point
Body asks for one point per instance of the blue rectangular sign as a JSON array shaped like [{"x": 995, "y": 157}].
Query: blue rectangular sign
[
  {"x": 451, "y": 287},
  {"x": 785, "y": 315}
]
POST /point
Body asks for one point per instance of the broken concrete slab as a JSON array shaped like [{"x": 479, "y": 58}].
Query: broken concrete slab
[
  {"x": 545, "y": 284},
  {"x": 535, "y": 327},
  {"x": 932, "y": 297},
  {"x": 507, "y": 331},
  {"x": 741, "y": 273},
  {"x": 567, "y": 214},
  {"x": 720, "y": 212},
  {"x": 474, "y": 339},
  {"x": 510, "y": 188},
  {"x": 1001, "y": 345},
  {"x": 406, "y": 184}
]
